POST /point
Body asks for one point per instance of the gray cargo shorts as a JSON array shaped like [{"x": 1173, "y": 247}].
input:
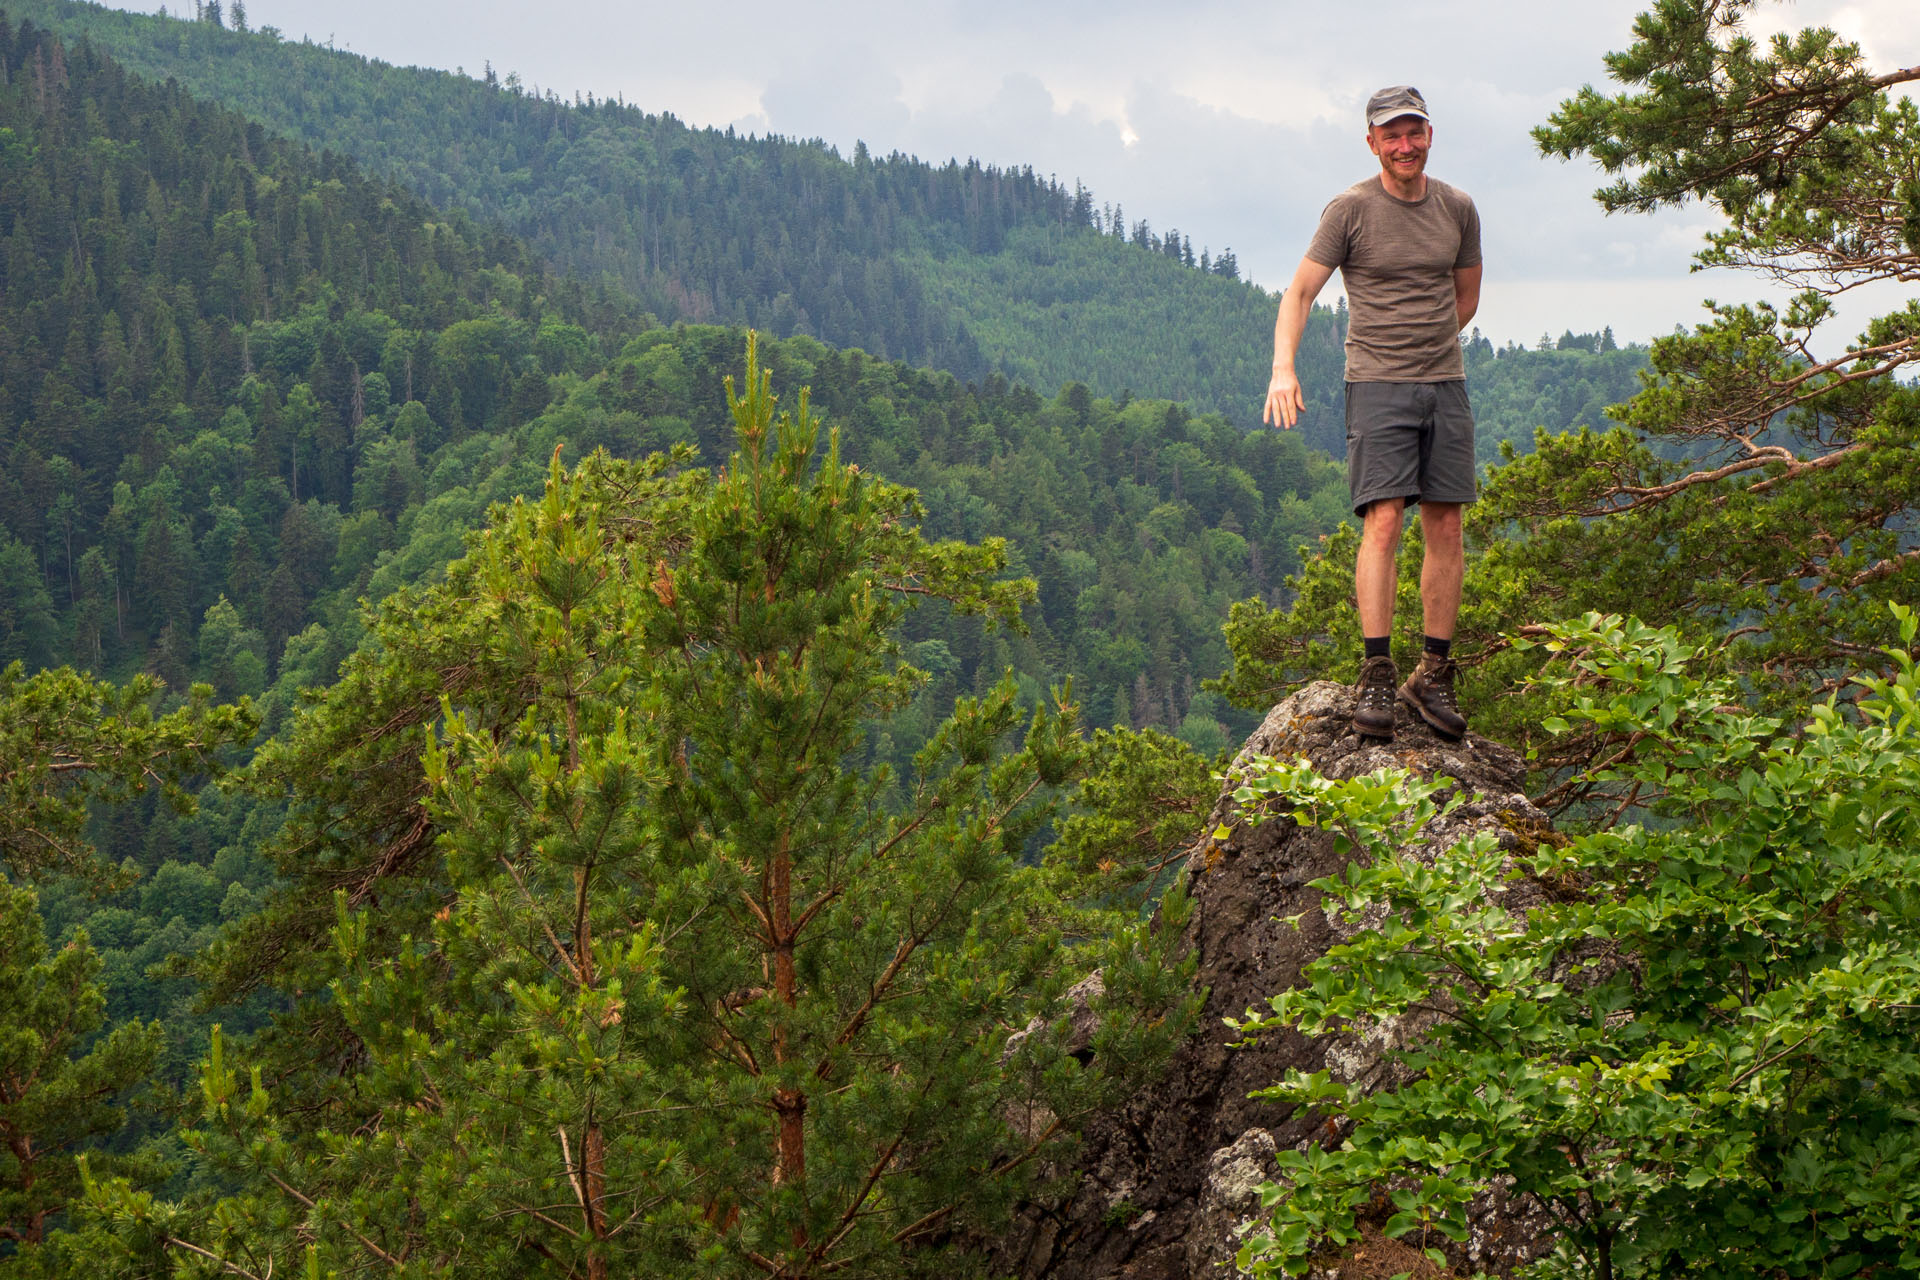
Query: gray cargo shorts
[{"x": 1411, "y": 440}]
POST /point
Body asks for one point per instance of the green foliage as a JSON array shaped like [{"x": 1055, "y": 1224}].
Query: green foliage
[
  {"x": 1148, "y": 522},
  {"x": 66, "y": 741},
  {"x": 68, "y": 744},
  {"x": 1796, "y": 469},
  {"x": 1135, "y": 813},
  {"x": 676, "y": 993},
  {"x": 1694, "y": 1047},
  {"x": 59, "y": 1082},
  {"x": 1718, "y": 113}
]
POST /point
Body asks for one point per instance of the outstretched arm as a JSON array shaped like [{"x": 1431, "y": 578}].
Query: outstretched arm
[{"x": 1285, "y": 402}]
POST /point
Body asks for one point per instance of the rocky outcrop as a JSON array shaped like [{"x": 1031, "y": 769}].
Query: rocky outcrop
[{"x": 1164, "y": 1184}]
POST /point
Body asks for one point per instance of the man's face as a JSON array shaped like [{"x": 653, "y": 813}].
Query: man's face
[{"x": 1402, "y": 146}]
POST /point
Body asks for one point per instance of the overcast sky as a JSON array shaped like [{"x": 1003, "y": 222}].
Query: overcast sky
[{"x": 1231, "y": 120}]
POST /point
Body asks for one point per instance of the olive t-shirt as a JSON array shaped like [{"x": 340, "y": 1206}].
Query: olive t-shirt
[{"x": 1397, "y": 260}]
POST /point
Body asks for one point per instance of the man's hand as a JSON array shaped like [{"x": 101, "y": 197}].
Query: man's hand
[{"x": 1285, "y": 403}]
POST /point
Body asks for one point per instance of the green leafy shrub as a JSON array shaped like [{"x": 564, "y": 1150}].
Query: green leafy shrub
[{"x": 1700, "y": 1054}]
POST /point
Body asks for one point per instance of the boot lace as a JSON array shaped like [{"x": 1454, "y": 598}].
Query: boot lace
[
  {"x": 1376, "y": 684},
  {"x": 1439, "y": 677}
]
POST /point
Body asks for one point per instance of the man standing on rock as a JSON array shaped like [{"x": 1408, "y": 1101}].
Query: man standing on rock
[{"x": 1408, "y": 249}]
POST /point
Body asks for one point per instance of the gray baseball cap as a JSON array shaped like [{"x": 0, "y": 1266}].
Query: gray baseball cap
[{"x": 1396, "y": 101}]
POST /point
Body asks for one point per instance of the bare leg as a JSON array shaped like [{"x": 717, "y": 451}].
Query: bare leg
[
  {"x": 1442, "y": 568},
  {"x": 1375, "y": 574}
]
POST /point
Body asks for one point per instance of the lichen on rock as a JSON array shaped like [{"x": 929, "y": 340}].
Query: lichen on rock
[{"x": 1165, "y": 1182}]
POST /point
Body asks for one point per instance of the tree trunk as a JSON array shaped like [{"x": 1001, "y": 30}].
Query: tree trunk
[
  {"x": 593, "y": 1162},
  {"x": 789, "y": 1105}
]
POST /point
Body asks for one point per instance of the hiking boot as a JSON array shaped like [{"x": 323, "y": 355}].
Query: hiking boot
[
  {"x": 1429, "y": 691},
  {"x": 1373, "y": 703}
]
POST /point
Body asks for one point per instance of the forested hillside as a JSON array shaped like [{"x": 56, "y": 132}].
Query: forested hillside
[
  {"x": 242, "y": 386},
  {"x": 961, "y": 267},
  {"x": 204, "y": 333},
  {"x": 1558, "y": 385}
]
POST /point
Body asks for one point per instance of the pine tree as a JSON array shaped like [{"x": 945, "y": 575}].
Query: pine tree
[
  {"x": 69, "y": 742},
  {"x": 66, "y": 744},
  {"x": 59, "y": 1085},
  {"x": 693, "y": 1000}
]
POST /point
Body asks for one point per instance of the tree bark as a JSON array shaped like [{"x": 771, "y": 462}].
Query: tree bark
[{"x": 789, "y": 1104}]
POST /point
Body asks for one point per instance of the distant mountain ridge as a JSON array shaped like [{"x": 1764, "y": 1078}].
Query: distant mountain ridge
[{"x": 961, "y": 266}]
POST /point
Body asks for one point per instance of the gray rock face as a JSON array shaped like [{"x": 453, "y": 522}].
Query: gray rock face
[
  {"x": 1229, "y": 1200},
  {"x": 1165, "y": 1182}
]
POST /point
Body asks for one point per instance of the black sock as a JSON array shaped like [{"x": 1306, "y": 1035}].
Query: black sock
[
  {"x": 1377, "y": 647},
  {"x": 1439, "y": 648}
]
